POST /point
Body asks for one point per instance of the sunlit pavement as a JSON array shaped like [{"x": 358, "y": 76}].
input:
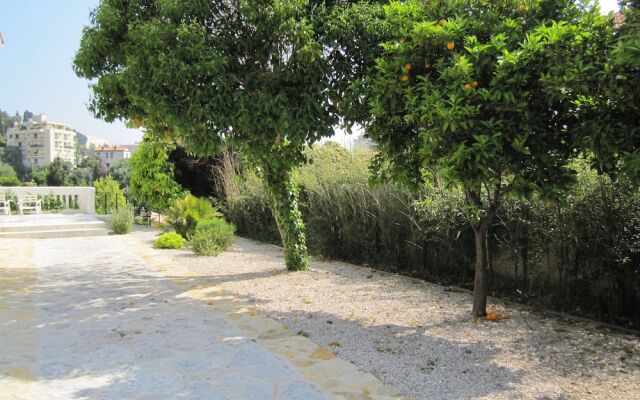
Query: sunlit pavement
[{"x": 101, "y": 318}]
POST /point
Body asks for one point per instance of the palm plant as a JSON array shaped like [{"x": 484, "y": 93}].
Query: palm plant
[{"x": 185, "y": 214}]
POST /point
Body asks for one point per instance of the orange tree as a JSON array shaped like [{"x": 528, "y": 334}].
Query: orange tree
[
  {"x": 476, "y": 91},
  {"x": 264, "y": 76}
]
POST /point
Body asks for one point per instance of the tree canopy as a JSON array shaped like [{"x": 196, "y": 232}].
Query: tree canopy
[
  {"x": 151, "y": 182},
  {"x": 482, "y": 94},
  {"x": 609, "y": 107},
  {"x": 58, "y": 172},
  {"x": 262, "y": 76}
]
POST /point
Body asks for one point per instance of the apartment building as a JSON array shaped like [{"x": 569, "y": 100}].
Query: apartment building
[
  {"x": 110, "y": 154},
  {"x": 42, "y": 141}
]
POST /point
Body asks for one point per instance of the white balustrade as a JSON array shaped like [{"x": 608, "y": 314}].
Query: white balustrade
[{"x": 72, "y": 198}]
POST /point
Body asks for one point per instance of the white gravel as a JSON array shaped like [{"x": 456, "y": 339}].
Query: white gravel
[{"x": 420, "y": 337}]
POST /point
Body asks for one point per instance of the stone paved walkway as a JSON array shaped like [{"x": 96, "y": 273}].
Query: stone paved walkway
[{"x": 102, "y": 318}]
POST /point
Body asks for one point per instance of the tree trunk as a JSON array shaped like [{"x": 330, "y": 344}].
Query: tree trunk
[
  {"x": 480, "y": 284},
  {"x": 524, "y": 248},
  {"x": 283, "y": 198},
  {"x": 480, "y": 229}
]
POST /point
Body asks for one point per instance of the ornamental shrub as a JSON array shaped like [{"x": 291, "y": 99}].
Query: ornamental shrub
[
  {"x": 152, "y": 179},
  {"x": 122, "y": 220},
  {"x": 212, "y": 236},
  {"x": 169, "y": 240},
  {"x": 109, "y": 196},
  {"x": 185, "y": 214},
  {"x": 9, "y": 181}
]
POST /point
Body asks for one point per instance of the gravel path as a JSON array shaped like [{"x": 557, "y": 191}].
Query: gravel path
[{"x": 419, "y": 336}]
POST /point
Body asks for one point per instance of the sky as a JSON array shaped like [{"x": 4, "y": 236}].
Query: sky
[{"x": 41, "y": 38}]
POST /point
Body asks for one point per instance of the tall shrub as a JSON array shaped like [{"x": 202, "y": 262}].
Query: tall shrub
[
  {"x": 109, "y": 196},
  {"x": 152, "y": 182}
]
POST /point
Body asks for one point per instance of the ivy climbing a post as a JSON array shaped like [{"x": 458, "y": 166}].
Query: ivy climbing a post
[{"x": 283, "y": 199}]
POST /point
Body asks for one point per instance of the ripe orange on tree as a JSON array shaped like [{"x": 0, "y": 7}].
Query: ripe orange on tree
[
  {"x": 404, "y": 78},
  {"x": 450, "y": 45},
  {"x": 474, "y": 84}
]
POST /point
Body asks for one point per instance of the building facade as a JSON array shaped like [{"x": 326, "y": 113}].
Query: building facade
[
  {"x": 42, "y": 141},
  {"x": 110, "y": 154}
]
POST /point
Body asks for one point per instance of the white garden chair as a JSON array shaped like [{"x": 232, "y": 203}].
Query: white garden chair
[
  {"x": 5, "y": 205},
  {"x": 29, "y": 202}
]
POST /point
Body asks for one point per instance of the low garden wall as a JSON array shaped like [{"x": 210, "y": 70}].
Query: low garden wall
[{"x": 59, "y": 198}]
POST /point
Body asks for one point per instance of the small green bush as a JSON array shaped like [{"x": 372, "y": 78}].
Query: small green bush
[
  {"x": 169, "y": 240},
  {"x": 122, "y": 220},
  {"x": 51, "y": 203},
  {"x": 9, "y": 181},
  {"x": 185, "y": 214},
  {"x": 109, "y": 195},
  {"x": 212, "y": 236}
]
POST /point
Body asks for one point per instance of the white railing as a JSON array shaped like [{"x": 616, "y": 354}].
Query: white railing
[{"x": 71, "y": 198}]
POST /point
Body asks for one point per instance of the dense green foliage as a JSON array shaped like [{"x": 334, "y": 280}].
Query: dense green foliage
[
  {"x": 481, "y": 95},
  {"x": 39, "y": 176},
  {"x": 121, "y": 172},
  {"x": 122, "y": 219},
  {"x": 267, "y": 79},
  {"x": 152, "y": 182},
  {"x": 109, "y": 196},
  {"x": 87, "y": 171},
  {"x": 57, "y": 172},
  {"x": 212, "y": 236},
  {"x": 609, "y": 106},
  {"x": 12, "y": 155},
  {"x": 580, "y": 255},
  {"x": 9, "y": 180},
  {"x": 185, "y": 214},
  {"x": 80, "y": 177},
  {"x": 169, "y": 240},
  {"x": 7, "y": 170},
  {"x": 484, "y": 104},
  {"x": 53, "y": 204}
]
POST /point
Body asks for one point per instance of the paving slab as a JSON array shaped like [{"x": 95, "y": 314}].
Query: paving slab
[{"x": 105, "y": 318}]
